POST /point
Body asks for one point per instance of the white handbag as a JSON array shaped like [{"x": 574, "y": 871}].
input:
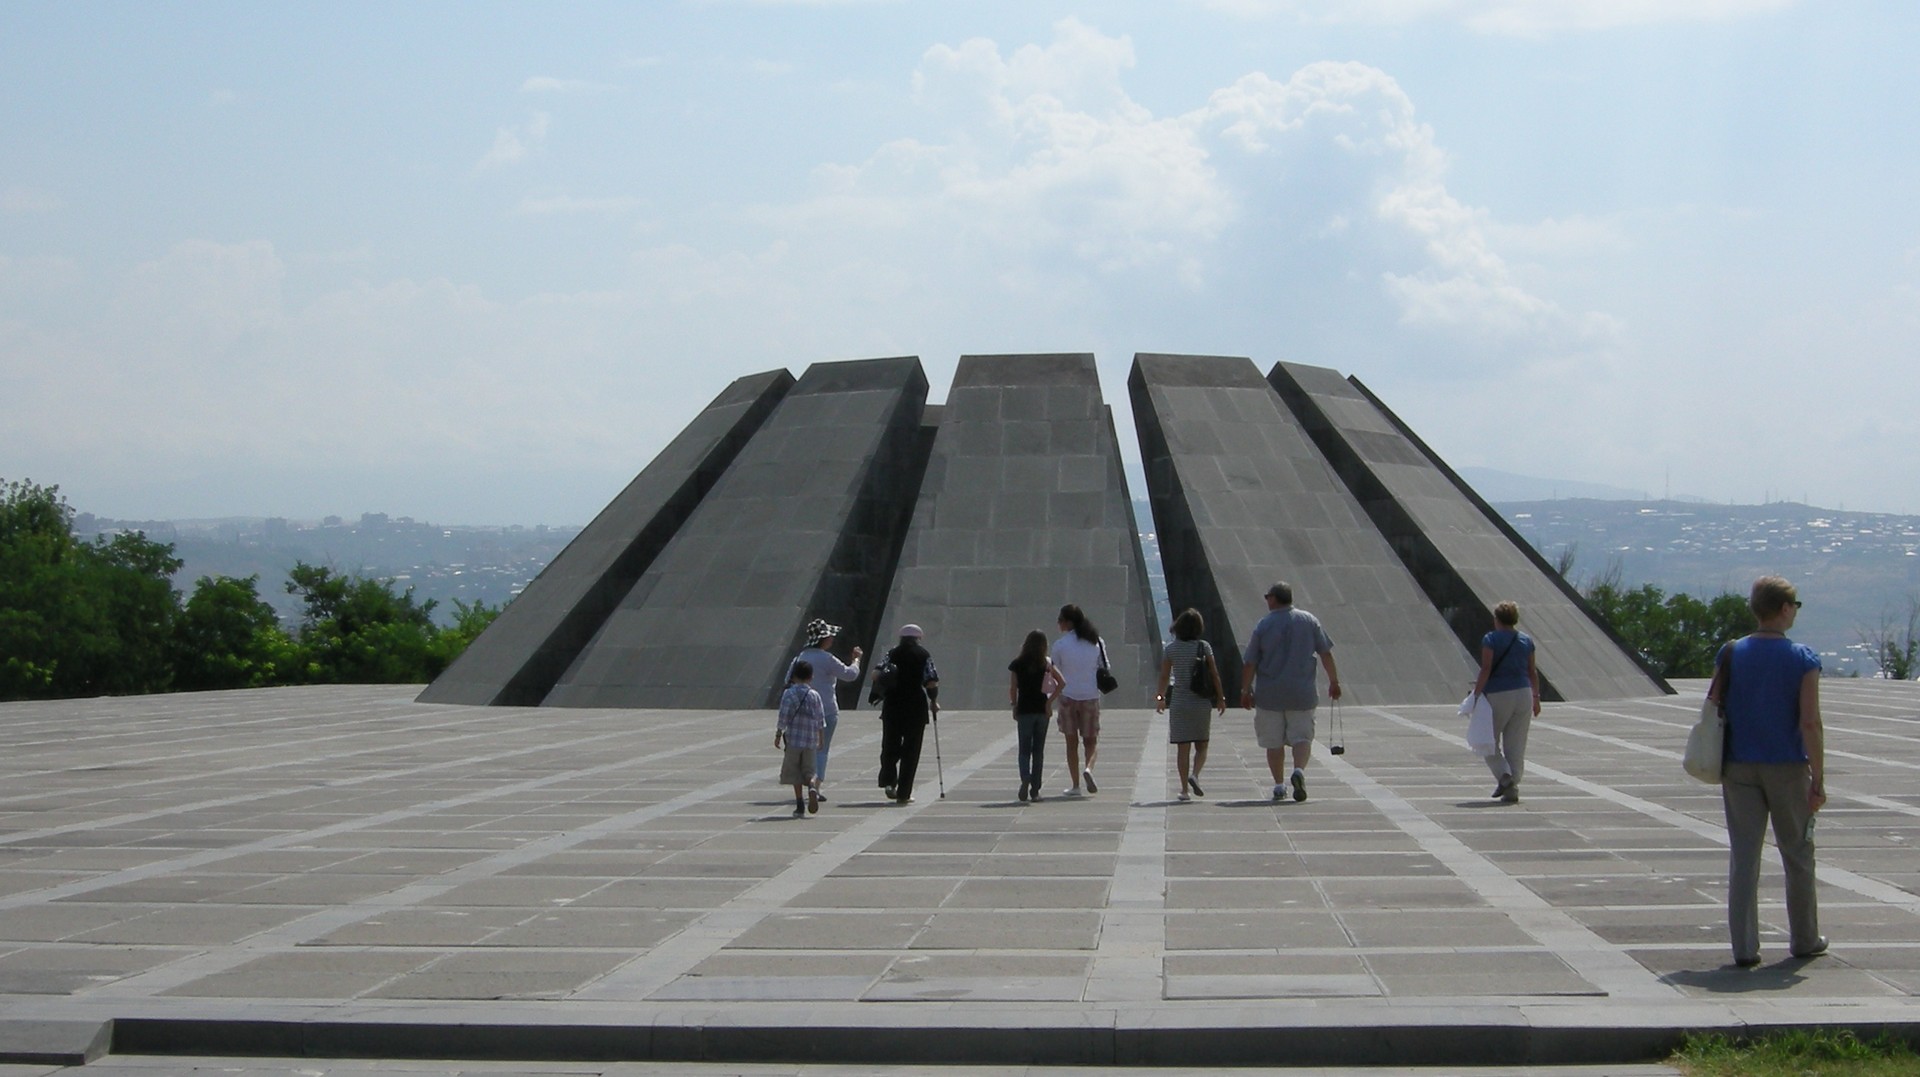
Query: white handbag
[
  {"x": 1707, "y": 743},
  {"x": 1480, "y": 740}
]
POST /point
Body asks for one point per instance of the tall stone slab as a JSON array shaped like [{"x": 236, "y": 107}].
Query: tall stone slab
[
  {"x": 806, "y": 523},
  {"x": 1242, "y": 497},
  {"x": 1024, "y": 508},
  {"x": 1464, "y": 556},
  {"x": 517, "y": 660}
]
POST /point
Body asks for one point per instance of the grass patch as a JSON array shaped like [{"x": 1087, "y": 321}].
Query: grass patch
[{"x": 1796, "y": 1053}]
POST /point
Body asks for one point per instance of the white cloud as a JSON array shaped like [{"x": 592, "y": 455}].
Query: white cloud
[
  {"x": 512, "y": 145},
  {"x": 542, "y": 206},
  {"x": 1038, "y": 206},
  {"x": 797, "y": 3},
  {"x": 207, "y": 292},
  {"x": 29, "y": 200},
  {"x": 1522, "y": 18},
  {"x": 545, "y": 84},
  {"x": 1570, "y": 236},
  {"x": 1043, "y": 208},
  {"x": 1048, "y": 163},
  {"x": 552, "y": 204}
]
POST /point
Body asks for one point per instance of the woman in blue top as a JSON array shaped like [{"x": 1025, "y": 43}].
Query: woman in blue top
[
  {"x": 1774, "y": 769},
  {"x": 1512, "y": 686}
]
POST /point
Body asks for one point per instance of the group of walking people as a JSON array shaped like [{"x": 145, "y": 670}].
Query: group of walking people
[
  {"x": 810, "y": 713},
  {"x": 1768, "y": 685},
  {"x": 1061, "y": 682}
]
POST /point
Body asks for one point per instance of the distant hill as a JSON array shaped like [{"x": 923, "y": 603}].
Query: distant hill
[
  {"x": 1498, "y": 486},
  {"x": 1850, "y": 567},
  {"x": 442, "y": 563}
]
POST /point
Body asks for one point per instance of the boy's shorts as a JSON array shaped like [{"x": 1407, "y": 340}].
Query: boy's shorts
[
  {"x": 798, "y": 767},
  {"x": 1282, "y": 729},
  {"x": 1080, "y": 718}
]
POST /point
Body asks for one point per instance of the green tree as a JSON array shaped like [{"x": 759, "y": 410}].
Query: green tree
[
  {"x": 79, "y": 618},
  {"x": 468, "y": 622},
  {"x": 358, "y": 630},
  {"x": 228, "y": 637},
  {"x": 131, "y": 577},
  {"x": 1678, "y": 634},
  {"x": 36, "y": 537}
]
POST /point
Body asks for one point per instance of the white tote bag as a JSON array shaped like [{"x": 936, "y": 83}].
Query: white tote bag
[
  {"x": 1479, "y": 714},
  {"x": 1706, "y": 744}
]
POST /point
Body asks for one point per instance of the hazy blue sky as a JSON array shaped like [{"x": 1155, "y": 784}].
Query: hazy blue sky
[{"x": 478, "y": 263}]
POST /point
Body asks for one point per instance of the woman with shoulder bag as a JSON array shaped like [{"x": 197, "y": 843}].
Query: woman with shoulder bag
[
  {"x": 1511, "y": 684},
  {"x": 1189, "y": 661},
  {"x": 1079, "y": 655},
  {"x": 1774, "y": 769}
]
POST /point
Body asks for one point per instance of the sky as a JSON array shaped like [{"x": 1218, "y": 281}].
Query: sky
[{"x": 478, "y": 263}]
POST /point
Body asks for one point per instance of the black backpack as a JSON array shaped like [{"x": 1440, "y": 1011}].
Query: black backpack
[{"x": 883, "y": 676}]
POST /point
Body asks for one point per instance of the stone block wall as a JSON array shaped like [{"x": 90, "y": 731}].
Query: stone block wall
[{"x": 1024, "y": 508}]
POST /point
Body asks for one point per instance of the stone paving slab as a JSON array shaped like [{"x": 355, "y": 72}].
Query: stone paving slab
[{"x": 345, "y": 871}]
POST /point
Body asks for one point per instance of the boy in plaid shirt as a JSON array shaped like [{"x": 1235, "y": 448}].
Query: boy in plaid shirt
[{"x": 803, "y": 722}]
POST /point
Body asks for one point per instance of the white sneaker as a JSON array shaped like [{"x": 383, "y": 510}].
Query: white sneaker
[
  {"x": 1087, "y": 777},
  {"x": 1073, "y": 792}
]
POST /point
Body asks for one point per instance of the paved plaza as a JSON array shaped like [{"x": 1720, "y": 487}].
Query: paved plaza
[{"x": 340, "y": 871}]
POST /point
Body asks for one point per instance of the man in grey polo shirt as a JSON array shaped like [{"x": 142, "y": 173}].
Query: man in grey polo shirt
[{"x": 1277, "y": 683}]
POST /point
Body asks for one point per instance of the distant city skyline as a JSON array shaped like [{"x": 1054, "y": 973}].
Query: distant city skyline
[{"x": 277, "y": 260}]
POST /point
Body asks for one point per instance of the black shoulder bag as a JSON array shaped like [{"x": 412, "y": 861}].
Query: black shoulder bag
[
  {"x": 1104, "y": 676},
  {"x": 1200, "y": 681}
]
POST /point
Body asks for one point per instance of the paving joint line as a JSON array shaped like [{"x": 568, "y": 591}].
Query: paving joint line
[
  {"x": 1599, "y": 962},
  {"x": 708, "y": 934},
  {"x": 1872, "y": 889}
]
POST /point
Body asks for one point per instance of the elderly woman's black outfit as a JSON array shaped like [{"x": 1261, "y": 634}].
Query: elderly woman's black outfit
[{"x": 904, "y": 714}]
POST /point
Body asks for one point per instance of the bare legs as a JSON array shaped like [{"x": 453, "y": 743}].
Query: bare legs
[
  {"x": 1073, "y": 757},
  {"x": 1191, "y": 758}
]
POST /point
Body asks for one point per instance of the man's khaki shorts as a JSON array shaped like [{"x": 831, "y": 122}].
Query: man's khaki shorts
[{"x": 1282, "y": 729}]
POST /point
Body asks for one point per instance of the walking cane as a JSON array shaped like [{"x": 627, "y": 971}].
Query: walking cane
[{"x": 939, "y": 770}]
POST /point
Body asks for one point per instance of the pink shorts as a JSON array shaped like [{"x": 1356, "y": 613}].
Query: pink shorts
[{"x": 1079, "y": 718}]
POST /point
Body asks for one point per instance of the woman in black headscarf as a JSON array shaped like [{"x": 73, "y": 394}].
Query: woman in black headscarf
[{"x": 910, "y": 703}]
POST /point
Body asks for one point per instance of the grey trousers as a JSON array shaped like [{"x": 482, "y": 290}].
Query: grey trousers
[
  {"x": 1752, "y": 794},
  {"x": 1512, "y": 718}
]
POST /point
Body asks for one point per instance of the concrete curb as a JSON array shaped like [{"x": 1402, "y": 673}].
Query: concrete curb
[
  {"x": 53, "y": 1043},
  {"x": 1413, "y": 1042}
]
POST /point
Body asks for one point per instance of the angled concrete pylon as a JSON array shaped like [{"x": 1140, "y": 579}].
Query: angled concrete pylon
[
  {"x": 1024, "y": 509},
  {"x": 805, "y": 523},
  {"x": 517, "y": 660},
  {"x": 1242, "y": 498},
  {"x": 1464, "y": 556},
  {"x": 845, "y": 496}
]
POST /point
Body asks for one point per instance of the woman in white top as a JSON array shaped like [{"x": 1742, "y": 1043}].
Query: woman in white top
[
  {"x": 1077, "y": 656},
  {"x": 827, "y": 671}
]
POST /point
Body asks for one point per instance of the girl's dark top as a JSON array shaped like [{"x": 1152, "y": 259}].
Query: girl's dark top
[
  {"x": 1029, "y": 679},
  {"x": 913, "y": 668}
]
